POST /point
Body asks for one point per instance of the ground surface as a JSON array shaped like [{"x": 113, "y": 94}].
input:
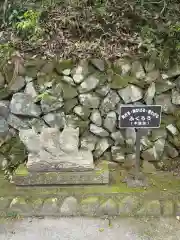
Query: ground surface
[{"x": 90, "y": 229}]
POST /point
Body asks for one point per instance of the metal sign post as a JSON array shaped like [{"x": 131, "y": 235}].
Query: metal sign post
[{"x": 139, "y": 117}]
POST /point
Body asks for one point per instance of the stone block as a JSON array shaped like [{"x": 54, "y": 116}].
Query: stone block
[
  {"x": 168, "y": 208},
  {"x": 50, "y": 207},
  {"x": 19, "y": 206},
  {"x": 70, "y": 207},
  {"x": 128, "y": 205},
  {"x": 150, "y": 208},
  {"x": 100, "y": 175},
  {"x": 89, "y": 206},
  {"x": 108, "y": 207}
]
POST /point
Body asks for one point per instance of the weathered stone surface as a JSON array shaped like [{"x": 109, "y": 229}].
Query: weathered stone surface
[
  {"x": 172, "y": 129},
  {"x": 30, "y": 139},
  {"x": 90, "y": 100},
  {"x": 69, "y": 92},
  {"x": 159, "y": 133},
  {"x": 117, "y": 137},
  {"x": 50, "y": 207},
  {"x": 109, "y": 102},
  {"x": 109, "y": 208},
  {"x": 3, "y": 163},
  {"x": 149, "y": 66},
  {"x": 80, "y": 72},
  {"x": 175, "y": 97},
  {"x": 20, "y": 207},
  {"x": 119, "y": 81},
  {"x": 68, "y": 79},
  {"x": 88, "y": 141},
  {"x": 18, "y": 84},
  {"x": 145, "y": 143},
  {"x": 164, "y": 86},
  {"x": 152, "y": 76},
  {"x": 110, "y": 121},
  {"x": 30, "y": 90},
  {"x": 99, "y": 131},
  {"x": 100, "y": 175},
  {"x": 2, "y": 80},
  {"x": 117, "y": 154},
  {"x": 70, "y": 104},
  {"x": 69, "y": 207},
  {"x": 123, "y": 65},
  {"x": 5, "y": 93},
  {"x": 149, "y": 95},
  {"x": 101, "y": 146},
  {"x": 96, "y": 117},
  {"x": 3, "y": 127},
  {"x": 75, "y": 121},
  {"x": 4, "y": 109},
  {"x": 17, "y": 123},
  {"x": 4, "y": 203},
  {"x": 138, "y": 70},
  {"x": 171, "y": 151},
  {"x": 51, "y": 103},
  {"x": 148, "y": 167},
  {"x": 168, "y": 208},
  {"x": 22, "y": 104},
  {"x": 37, "y": 124},
  {"x": 150, "y": 208},
  {"x": 62, "y": 65},
  {"x": 103, "y": 90},
  {"x": 82, "y": 111},
  {"x": 55, "y": 119},
  {"x": 130, "y": 136},
  {"x": 131, "y": 94},
  {"x": 98, "y": 63},
  {"x": 128, "y": 206},
  {"x": 165, "y": 101},
  {"x": 89, "y": 206},
  {"x": 89, "y": 84}
]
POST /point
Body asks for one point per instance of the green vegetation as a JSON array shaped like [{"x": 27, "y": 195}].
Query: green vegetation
[{"x": 105, "y": 28}]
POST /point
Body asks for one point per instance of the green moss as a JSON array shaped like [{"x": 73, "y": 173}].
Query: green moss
[
  {"x": 89, "y": 200},
  {"x": 119, "y": 81},
  {"x": 21, "y": 170},
  {"x": 64, "y": 64}
]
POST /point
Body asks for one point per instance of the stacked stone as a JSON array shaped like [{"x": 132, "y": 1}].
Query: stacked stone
[{"x": 88, "y": 95}]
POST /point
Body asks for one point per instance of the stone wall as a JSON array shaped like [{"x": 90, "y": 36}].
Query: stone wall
[{"x": 88, "y": 95}]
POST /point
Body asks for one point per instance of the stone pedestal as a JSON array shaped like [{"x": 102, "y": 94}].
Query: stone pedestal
[{"x": 55, "y": 159}]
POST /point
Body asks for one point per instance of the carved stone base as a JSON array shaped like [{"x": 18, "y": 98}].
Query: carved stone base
[{"x": 100, "y": 175}]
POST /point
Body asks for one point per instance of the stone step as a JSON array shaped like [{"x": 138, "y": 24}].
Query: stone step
[{"x": 100, "y": 175}]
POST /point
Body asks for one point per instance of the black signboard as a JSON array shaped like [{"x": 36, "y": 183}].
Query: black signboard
[{"x": 142, "y": 116}]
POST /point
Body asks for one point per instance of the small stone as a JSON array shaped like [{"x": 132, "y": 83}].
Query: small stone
[
  {"x": 96, "y": 117},
  {"x": 109, "y": 102},
  {"x": 17, "y": 123},
  {"x": 150, "y": 154},
  {"x": 149, "y": 95},
  {"x": 110, "y": 121},
  {"x": 66, "y": 72},
  {"x": 48, "y": 67},
  {"x": 149, "y": 66},
  {"x": 138, "y": 70},
  {"x": 4, "y": 128},
  {"x": 164, "y": 100},
  {"x": 82, "y": 111},
  {"x": 21, "y": 104},
  {"x": 63, "y": 65},
  {"x": 2, "y": 80},
  {"x": 172, "y": 129},
  {"x": 98, "y": 131},
  {"x": 30, "y": 90},
  {"x": 37, "y": 124},
  {"x": 51, "y": 103},
  {"x": 119, "y": 81},
  {"x": 101, "y": 146},
  {"x": 173, "y": 72},
  {"x": 69, "y": 92},
  {"x": 171, "y": 151},
  {"x": 70, "y": 104},
  {"x": 152, "y": 76},
  {"x": 103, "y": 91},
  {"x": 80, "y": 72},
  {"x": 164, "y": 86},
  {"x": 124, "y": 66},
  {"x": 55, "y": 119},
  {"x": 3, "y": 163},
  {"x": 117, "y": 137},
  {"x": 30, "y": 139},
  {"x": 50, "y": 207},
  {"x": 98, "y": 63},
  {"x": 75, "y": 121},
  {"x": 4, "y": 108},
  {"x": 117, "y": 154},
  {"x": 18, "y": 84},
  {"x": 90, "y": 100},
  {"x": 130, "y": 161},
  {"x": 69, "y": 207},
  {"x": 159, "y": 133},
  {"x": 168, "y": 208},
  {"x": 131, "y": 94},
  {"x": 109, "y": 208},
  {"x": 88, "y": 84},
  {"x": 145, "y": 143},
  {"x": 175, "y": 97},
  {"x": 88, "y": 141},
  {"x": 68, "y": 80}
]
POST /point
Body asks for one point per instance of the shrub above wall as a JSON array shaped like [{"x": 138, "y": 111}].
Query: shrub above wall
[{"x": 88, "y": 95}]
